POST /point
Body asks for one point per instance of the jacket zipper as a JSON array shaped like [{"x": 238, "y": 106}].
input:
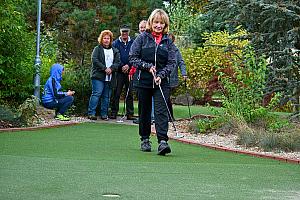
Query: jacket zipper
[
  {"x": 139, "y": 76},
  {"x": 156, "y": 46}
]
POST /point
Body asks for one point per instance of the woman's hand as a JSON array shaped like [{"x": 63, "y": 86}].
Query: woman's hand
[
  {"x": 157, "y": 80},
  {"x": 70, "y": 93},
  {"x": 152, "y": 70}
]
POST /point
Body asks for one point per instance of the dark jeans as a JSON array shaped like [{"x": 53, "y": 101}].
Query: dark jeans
[
  {"x": 160, "y": 112},
  {"x": 122, "y": 80},
  {"x": 61, "y": 105}
]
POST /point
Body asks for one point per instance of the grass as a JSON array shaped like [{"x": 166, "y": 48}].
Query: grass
[
  {"x": 183, "y": 111},
  {"x": 179, "y": 110},
  {"x": 88, "y": 160}
]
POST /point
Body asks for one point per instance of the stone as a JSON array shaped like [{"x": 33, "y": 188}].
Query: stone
[
  {"x": 45, "y": 113},
  {"x": 184, "y": 100}
]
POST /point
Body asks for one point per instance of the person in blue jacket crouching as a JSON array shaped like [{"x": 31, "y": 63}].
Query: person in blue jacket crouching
[{"x": 53, "y": 97}]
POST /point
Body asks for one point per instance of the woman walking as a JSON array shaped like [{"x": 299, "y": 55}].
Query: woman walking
[{"x": 153, "y": 53}]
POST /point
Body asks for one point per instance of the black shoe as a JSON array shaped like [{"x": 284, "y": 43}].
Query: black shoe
[
  {"x": 92, "y": 117},
  {"x": 146, "y": 145},
  {"x": 113, "y": 116},
  {"x": 130, "y": 117},
  {"x": 163, "y": 148},
  {"x": 104, "y": 118},
  {"x": 136, "y": 121}
]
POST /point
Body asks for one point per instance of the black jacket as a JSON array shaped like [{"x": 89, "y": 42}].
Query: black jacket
[
  {"x": 174, "y": 80},
  {"x": 124, "y": 51},
  {"x": 142, "y": 56},
  {"x": 98, "y": 63}
]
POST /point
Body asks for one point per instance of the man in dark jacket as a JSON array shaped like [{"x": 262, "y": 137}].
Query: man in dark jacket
[{"x": 123, "y": 44}]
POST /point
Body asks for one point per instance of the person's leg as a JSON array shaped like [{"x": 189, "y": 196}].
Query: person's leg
[
  {"x": 51, "y": 105},
  {"x": 161, "y": 114},
  {"x": 162, "y": 120},
  {"x": 137, "y": 121},
  {"x": 145, "y": 118},
  {"x": 64, "y": 103},
  {"x": 112, "y": 96},
  {"x": 105, "y": 100},
  {"x": 129, "y": 100},
  {"x": 145, "y": 99},
  {"x": 97, "y": 87},
  {"x": 116, "y": 97}
]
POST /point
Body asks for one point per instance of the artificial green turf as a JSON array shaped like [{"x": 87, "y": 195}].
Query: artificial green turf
[{"x": 88, "y": 160}]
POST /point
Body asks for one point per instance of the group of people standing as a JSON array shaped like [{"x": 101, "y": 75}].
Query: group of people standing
[
  {"x": 122, "y": 72},
  {"x": 149, "y": 64}
]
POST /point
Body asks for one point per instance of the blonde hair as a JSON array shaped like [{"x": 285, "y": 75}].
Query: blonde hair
[
  {"x": 104, "y": 33},
  {"x": 164, "y": 17}
]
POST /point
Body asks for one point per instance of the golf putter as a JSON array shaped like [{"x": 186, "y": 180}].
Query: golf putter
[{"x": 187, "y": 98}]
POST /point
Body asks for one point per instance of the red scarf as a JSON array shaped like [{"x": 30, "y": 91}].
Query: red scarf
[{"x": 157, "y": 37}]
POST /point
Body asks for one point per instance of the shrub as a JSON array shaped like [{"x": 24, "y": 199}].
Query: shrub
[
  {"x": 27, "y": 110},
  {"x": 6, "y": 113},
  {"x": 249, "y": 139},
  {"x": 290, "y": 141},
  {"x": 192, "y": 59},
  {"x": 287, "y": 141},
  {"x": 77, "y": 78},
  {"x": 269, "y": 141},
  {"x": 9, "y": 117},
  {"x": 243, "y": 92},
  {"x": 193, "y": 127},
  {"x": 204, "y": 64},
  {"x": 206, "y": 125},
  {"x": 16, "y": 54},
  {"x": 282, "y": 136}
]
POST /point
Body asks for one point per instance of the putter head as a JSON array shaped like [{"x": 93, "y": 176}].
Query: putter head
[
  {"x": 121, "y": 120},
  {"x": 178, "y": 136}
]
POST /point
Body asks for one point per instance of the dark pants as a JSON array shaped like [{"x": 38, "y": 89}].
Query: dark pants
[
  {"x": 61, "y": 105},
  {"x": 122, "y": 80},
  {"x": 160, "y": 112}
]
